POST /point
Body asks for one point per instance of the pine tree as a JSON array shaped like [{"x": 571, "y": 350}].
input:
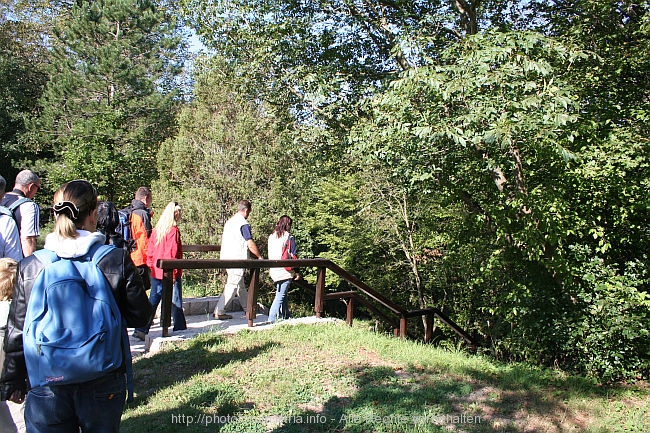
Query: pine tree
[{"x": 110, "y": 100}]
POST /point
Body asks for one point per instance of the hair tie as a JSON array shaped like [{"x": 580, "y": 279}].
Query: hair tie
[{"x": 66, "y": 208}]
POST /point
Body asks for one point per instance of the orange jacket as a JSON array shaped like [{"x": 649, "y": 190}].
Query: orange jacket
[{"x": 140, "y": 231}]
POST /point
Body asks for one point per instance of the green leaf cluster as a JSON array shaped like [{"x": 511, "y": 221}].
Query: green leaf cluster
[
  {"x": 109, "y": 101},
  {"x": 227, "y": 149},
  {"x": 498, "y": 126},
  {"x": 471, "y": 158}
]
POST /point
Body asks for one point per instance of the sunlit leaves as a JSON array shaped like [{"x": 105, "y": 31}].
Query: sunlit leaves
[
  {"x": 227, "y": 149},
  {"x": 111, "y": 69}
]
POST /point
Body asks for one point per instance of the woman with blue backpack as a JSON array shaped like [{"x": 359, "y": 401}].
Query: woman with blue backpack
[{"x": 75, "y": 289}]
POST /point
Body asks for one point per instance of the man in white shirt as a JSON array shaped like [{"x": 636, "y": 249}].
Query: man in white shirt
[
  {"x": 9, "y": 238},
  {"x": 25, "y": 211},
  {"x": 236, "y": 242}
]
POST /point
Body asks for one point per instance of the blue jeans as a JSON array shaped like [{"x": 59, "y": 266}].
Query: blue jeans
[
  {"x": 93, "y": 407},
  {"x": 155, "y": 296},
  {"x": 280, "y": 306}
]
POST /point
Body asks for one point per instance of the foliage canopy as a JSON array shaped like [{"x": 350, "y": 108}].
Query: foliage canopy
[{"x": 487, "y": 158}]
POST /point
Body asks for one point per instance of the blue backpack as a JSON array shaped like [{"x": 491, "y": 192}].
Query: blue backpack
[
  {"x": 125, "y": 223},
  {"x": 124, "y": 228},
  {"x": 73, "y": 329}
]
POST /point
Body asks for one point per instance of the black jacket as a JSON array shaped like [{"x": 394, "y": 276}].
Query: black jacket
[{"x": 127, "y": 288}]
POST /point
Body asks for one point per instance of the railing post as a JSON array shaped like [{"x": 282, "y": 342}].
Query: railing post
[
  {"x": 251, "y": 302},
  {"x": 402, "y": 327},
  {"x": 350, "y": 311},
  {"x": 320, "y": 290},
  {"x": 166, "y": 301},
  {"x": 428, "y": 335}
]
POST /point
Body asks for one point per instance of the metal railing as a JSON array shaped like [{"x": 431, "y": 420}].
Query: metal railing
[{"x": 392, "y": 313}]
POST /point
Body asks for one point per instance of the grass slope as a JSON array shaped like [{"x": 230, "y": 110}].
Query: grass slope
[{"x": 335, "y": 378}]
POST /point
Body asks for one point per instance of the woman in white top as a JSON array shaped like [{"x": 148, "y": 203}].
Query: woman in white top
[{"x": 281, "y": 243}]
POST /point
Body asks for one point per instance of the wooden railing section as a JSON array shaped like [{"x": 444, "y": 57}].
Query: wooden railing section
[{"x": 383, "y": 307}]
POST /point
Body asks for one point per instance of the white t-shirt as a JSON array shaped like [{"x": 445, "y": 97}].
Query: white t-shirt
[
  {"x": 9, "y": 239},
  {"x": 29, "y": 219}
]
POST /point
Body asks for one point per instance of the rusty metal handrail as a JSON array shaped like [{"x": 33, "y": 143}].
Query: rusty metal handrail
[
  {"x": 168, "y": 265},
  {"x": 201, "y": 248}
]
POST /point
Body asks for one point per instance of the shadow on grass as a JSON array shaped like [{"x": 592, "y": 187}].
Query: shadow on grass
[
  {"x": 419, "y": 400},
  {"x": 164, "y": 370},
  {"x": 383, "y": 397}
]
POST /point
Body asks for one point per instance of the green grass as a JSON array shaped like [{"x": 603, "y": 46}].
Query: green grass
[{"x": 335, "y": 378}]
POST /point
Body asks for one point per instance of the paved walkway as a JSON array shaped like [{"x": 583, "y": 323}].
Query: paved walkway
[{"x": 198, "y": 314}]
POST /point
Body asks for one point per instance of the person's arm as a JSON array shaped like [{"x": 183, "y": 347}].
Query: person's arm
[
  {"x": 135, "y": 306},
  {"x": 177, "y": 251},
  {"x": 151, "y": 260},
  {"x": 248, "y": 237},
  {"x": 13, "y": 382},
  {"x": 29, "y": 227},
  {"x": 253, "y": 248},
  {"x": 177, "y": 245},
  {"x": 28, "y": 244}
]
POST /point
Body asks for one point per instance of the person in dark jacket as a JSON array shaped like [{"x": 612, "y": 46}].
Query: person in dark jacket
[
  {"x": 140, "y": 211},
  {"x": 108, "y": 219},
  {"x": 85, "y": 407}
]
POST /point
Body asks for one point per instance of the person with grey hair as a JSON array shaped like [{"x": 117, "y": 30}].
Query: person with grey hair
[
  {"x": 9, "y": 238},
  {"x": 25, "y": 211}
]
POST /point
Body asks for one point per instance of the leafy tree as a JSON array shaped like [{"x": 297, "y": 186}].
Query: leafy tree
[
  {"x": 22, "y": 77},
  {"x": 320, "y": 58},
  {"x": 110, "y": 100},
  {"x": 497, "y": 128},
  {"x": 227, "y": 149},
  {"x": 410, "y": 224}
]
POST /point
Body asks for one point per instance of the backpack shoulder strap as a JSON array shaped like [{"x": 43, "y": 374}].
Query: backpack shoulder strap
[
  {"x": 6, "y": 211},
  {"x": 88, "y": 264},
  {"x": 46, "y": 256},
  {"x": 13, "y": 206},
  {"x": 99, "y": 251}
]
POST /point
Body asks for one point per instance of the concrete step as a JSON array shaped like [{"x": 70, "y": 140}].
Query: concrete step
[
  {"x": 199, "y": 306},
  {"x": 199, "y": 318}
]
